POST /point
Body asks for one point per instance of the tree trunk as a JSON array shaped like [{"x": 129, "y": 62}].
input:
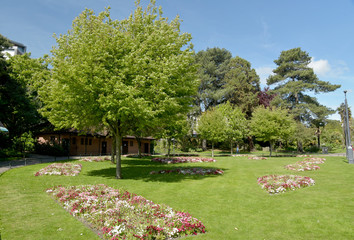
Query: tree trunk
[
  {"x": 231, "y": 148},
  {"x": 299, "y": 146},
  {"x": 113, "y": 152},
  {"x": 168, "y": 147},
  {"x": 212, "y": 149},
  {"x": 118, "y": 137},
  {"x": 318, "y": 137},
  {"x": 138, "y": 139},
  {"x": 270, "y": 148},
  {"x": 250, "y": 143}
]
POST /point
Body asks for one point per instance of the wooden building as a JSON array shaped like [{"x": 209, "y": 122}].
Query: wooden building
[{"x": 94, "y": 144}]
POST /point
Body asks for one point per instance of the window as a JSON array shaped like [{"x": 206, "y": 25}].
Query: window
[
  {"x": 82, "y": 141},
  {"x": 86, "y": 141},
  {"x": 73, "y": 141},
  {"x": 131, "y": 143},
  {"x": 52, "y": 139},
  {"x": 90, "y": 141}
]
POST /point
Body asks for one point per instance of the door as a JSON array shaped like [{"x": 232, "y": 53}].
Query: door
[
  {"x": 104, "y": 148},
  {"x": 146, "y": 147},
  {"x": 125, "y": 147}
]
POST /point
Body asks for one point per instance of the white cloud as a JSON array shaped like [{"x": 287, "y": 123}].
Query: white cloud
[
  {"x": 320, "y": 67},
  {"x": 264, "y": 73}
]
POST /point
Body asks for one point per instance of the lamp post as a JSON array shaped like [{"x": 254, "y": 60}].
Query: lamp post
[{"x": 348, "y": 143}]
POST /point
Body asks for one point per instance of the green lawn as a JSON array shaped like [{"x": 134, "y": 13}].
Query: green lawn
[{"x": 231, "y": 206}]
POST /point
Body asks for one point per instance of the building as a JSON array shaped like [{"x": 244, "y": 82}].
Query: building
[
  {"x": 16, "y": 49},
  {"x": 95, "y": 144}
]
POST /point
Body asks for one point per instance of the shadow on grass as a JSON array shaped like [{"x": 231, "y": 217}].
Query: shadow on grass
[{"x": 140, "y": 170}]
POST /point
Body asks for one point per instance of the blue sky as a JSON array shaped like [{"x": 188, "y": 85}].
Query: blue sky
[{"x": 256, "y": 30}]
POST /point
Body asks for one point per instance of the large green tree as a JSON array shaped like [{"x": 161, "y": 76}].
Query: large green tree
[
  {"x": 241, "y": 85},
  {"x": 271, "y": 125},
  {"x": 212, "y": 126},
  {"x": 236, "y": 124},
  {"x": 19, "y": 101},
  {"x": 293, "y": 80},
  {"x": 111, "y": 72},
  {"x": 213, "y": 65}
]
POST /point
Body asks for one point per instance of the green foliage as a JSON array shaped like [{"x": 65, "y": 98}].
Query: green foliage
[
  {"x": 293, "y": 78},
  {"x": 212, "y": 126},
  {"x": 50, "y": 149},
  {"x": 271, "y": 125},
  {"x": 19, "y": 101},
  {"x": 24, "y": 143},
  {"x": 242, "y": 85},
  {"x": 108, "y": 73},
  {"x": 213, "y": 65}
]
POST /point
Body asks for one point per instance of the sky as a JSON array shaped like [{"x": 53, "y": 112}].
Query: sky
[{"x": 256, "y": 30}]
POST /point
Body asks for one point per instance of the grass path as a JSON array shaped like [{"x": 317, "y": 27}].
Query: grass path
[{"x": 232, "y": 206}]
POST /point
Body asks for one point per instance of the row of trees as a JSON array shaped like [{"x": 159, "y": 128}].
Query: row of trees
[{"x": 140, "y": 76}]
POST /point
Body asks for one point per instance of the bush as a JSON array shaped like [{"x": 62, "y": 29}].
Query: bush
[{"x": 51, "y": 149}]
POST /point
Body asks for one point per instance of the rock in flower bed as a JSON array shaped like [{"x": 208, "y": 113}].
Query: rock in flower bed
[
  {"x": 191, "y": 171},
  {"x": 258, "y": 158},
  {"x": 95, "y": 159},
  {"x": 274, "y": 184},
  {"x": 118, "y": 214},
  {"x": 67, "y": 169},
  {"x": 182, "y": 160}
]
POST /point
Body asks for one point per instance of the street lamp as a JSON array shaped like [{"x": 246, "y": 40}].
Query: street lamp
[{"x": 348, "y": 143}]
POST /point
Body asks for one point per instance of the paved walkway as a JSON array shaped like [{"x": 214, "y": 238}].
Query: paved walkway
[{"x": 31, "y": 160}]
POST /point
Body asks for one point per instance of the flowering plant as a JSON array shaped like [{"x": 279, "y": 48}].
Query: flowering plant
[
  {"x": 315, "y": 160},
  {"x": 274, "y": 184},
  {"x": 242, "y": 155},
  {"x": 182, "y": 160},
  {"x": 258, "y": 158},
  {"x": 307, "y": 165},
  {"x": 67, "y": 169},
  {"x": 303, "y": 156},
  {"x": 94, "y": 159},
  {"x": 118, "y": 214},
  {"x": 191, "y": 171}
]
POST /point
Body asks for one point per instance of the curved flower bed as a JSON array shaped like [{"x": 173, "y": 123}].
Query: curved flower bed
[
  {"x": 95, "y": 159},
  {"x": 67, "y": 169},
  {"x": 315, "y": 160},
  {"x": 191, "y": 171},
  {"x": 274, "y": 184},
  {"x": 182, "y": 160},
  {"x": 258, "y": 158},
  {"x": 308, "y": 164},
  {"x": 118, "y": 214}
]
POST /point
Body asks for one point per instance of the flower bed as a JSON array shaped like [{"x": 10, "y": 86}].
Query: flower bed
[
  {"x": 315, "y": 160},
  {"x": 308, "y": 164},
  {"x": 302, "y": 166},
  {"x": 274, "y": 184},
  {"x": 191, "y": 171},
  {"x": 242, "y": 155},
  {"x": 303, "y": 156},
  {"x": 95, "y": 159},
  {"x": 182, "y": 160},
  {"x": 258, "y": 158},
  {"x": 67, "y": 169},
  {"x": 118, "y": 214}
]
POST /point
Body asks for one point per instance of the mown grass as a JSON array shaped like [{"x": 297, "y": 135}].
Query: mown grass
[{"x": 231, "y": 206}]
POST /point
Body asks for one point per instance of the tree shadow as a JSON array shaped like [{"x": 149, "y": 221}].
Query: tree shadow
[{"x": 140, "y": 170}]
